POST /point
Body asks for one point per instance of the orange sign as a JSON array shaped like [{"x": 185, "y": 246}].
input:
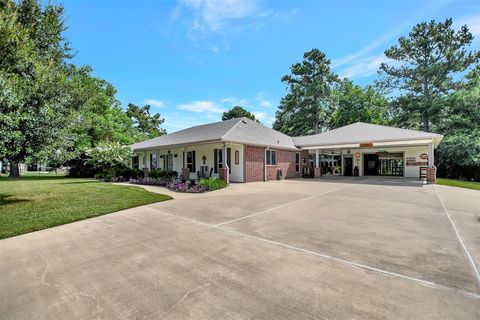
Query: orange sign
[
  {"x": 424, "y": 156},
  {"x": 357, "y": 155},
  {"x": 366, "y": 145}
]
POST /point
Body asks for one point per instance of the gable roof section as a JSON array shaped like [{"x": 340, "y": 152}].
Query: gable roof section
[
  {"x": 241, "y": 130},
  {"x": 360, "y": 132}
]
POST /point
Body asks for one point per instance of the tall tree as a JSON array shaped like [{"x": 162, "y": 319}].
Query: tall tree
[
  {"x": 33, "y": 73},
  {"x": 308, "y": 106},
  {"x": 427, "y": 64},
  {"x": 458, "y": 156},
  {"x": 357, "y": 104},
  {"x": 238, "y": 112},
  {"x": 147, "y": 124}
]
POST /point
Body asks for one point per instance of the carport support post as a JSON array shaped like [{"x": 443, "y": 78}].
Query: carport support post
[{"x": 430, "y": 155}]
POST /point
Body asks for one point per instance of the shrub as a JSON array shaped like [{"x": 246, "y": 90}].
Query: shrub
[
  {"x": 127, "y": 173},
  {"x": 163, "y": 174},
  {"x": 212, "y": 184}
]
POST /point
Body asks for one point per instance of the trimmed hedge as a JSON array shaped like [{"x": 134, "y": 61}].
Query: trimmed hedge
[
  {"x": 163, "y": 174},
  {"x": 212, "y": 184}
]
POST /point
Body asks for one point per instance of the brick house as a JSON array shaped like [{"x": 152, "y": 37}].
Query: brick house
[{"x": 242, "y": 150}]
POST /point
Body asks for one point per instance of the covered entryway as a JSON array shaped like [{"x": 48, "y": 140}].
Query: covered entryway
[{"x": 371, "y": 165}]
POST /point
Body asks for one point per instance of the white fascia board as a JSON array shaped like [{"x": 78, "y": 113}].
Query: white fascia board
[{"x": 404, "y": 143}]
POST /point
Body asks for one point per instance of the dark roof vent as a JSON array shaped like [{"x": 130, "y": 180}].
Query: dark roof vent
[{"x": 244, "y": 121}]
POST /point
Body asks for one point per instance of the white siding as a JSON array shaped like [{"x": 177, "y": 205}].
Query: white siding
[
  {"x": 408, "y": 152},
  {"x": 206, "y": 150}
]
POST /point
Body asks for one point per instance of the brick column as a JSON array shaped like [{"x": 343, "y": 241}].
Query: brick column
[
  {"x": 317, "y": 172},
  {"x": 223, "y": 174},
  {"x": 431, "y": 174},
  {"x": 185, "y": 174}
]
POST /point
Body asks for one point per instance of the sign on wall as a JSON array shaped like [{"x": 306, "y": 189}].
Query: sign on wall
[
  {"x": 424, "y": 156},
  {"x": 357, "y": 155},
  {"x": 366, "y": 145}
]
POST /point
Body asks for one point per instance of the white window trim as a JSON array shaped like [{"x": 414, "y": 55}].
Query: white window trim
[{"x": 270, "y": 158}]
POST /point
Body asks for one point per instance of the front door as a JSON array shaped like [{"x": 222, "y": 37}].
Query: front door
[
  {"x": 371, "y": 165},
  {"x": 348, "y": 166},
  {"x": 168, "y": 162}
]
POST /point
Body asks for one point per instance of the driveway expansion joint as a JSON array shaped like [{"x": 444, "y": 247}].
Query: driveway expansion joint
[
  {"x": 431, "y": 284},
  {"x": 471, "y": 261}
]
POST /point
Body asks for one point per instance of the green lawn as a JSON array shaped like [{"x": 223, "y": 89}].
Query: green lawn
[
  {"x": 34, "y": 203},
  {"x": 459, "y": 183}
]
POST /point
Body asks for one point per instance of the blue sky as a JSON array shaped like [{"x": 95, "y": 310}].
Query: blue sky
[{"x": 193, "y": 59}]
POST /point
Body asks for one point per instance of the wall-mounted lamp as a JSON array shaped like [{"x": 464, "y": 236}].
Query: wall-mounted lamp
[{"x": 175, "y": 155}]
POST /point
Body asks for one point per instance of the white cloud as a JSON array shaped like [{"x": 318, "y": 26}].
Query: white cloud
[
  {"x": 233, "y": 101},
  {"x": 212, "y": 24},
  {"x": 364, "y": 67},
  {"x": 262, "y": 101},
  {"x": 473, "y": 23},
  {"x": 154, "y": 102},
  {"x": 365, "y": 61},
  {"x": 265, "y": 103},
  {"x": 201, "y": 106},
  {"x": 260, "y": 115},
  {"x": 214, "y": 14}
]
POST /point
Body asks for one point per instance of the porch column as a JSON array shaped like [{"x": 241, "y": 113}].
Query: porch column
[
  {"x": 184, "y": 157},
  {"x": 317, "y": 171},
  {"x": 430, "y": 155},
  {"x": 224, "y": 171}
]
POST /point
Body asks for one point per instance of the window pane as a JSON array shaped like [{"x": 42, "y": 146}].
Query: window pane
[
  {"x": 274, "y": 157},
  {"x": 267, "y": 156}
]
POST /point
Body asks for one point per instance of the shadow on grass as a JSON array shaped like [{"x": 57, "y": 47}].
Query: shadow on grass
[
  {"x": 9, "y": 199},
  {"x": 81, "y": 182},
  {"x": 25, "y": 178}
]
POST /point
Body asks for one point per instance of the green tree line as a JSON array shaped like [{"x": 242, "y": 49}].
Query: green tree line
[
  {"x": 52, "y": 111},
  {"x": 431, "y": 82}
]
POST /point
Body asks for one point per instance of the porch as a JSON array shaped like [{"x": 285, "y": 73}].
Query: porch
[{"x": 194, "y": 161}]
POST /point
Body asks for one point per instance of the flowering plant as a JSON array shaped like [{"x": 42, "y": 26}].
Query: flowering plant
[{"x": 185, "y": 187}]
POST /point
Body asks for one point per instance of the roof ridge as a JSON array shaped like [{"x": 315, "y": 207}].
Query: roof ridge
[
  {"x": 239, "y": 120},
  {"x": 390, "y": 127}
]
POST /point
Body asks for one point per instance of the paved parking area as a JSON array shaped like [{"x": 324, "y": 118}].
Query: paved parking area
[{"x": 296, "y": 249}]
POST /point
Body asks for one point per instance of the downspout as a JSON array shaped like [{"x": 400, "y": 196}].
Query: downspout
[{"x": 265, "y": 178}]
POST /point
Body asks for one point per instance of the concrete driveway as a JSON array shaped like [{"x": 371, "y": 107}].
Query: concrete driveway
[{"x": 296, "y": 249}]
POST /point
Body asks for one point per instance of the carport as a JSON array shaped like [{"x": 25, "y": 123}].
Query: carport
[{"x": 362, "y": 149}]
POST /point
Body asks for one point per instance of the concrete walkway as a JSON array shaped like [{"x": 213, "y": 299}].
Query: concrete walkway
[{"x": 297, "y": 249}]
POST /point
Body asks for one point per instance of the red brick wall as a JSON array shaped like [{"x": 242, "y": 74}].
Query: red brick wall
[
  {"x": 254, "y": 157},
  {"x": 254, "y": 164}
]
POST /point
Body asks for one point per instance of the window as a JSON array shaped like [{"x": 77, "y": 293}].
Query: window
[
  {"x": 190, "y": 161},
  {"x": 135, "y": 162},
  {"x": 271, "y": 156},
  {"x": 153, "y": 161},
  {"x": 218, "y": 159},
  {"x": 297, "y": 162}
]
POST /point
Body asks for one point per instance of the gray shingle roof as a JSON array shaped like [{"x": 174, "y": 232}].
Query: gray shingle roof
[
  {"x": 360, "y": 132},
  {"x": 241, "y": 130}
]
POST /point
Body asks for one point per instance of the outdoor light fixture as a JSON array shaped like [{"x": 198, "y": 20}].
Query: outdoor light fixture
[{"x": 175, "y": 155}]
